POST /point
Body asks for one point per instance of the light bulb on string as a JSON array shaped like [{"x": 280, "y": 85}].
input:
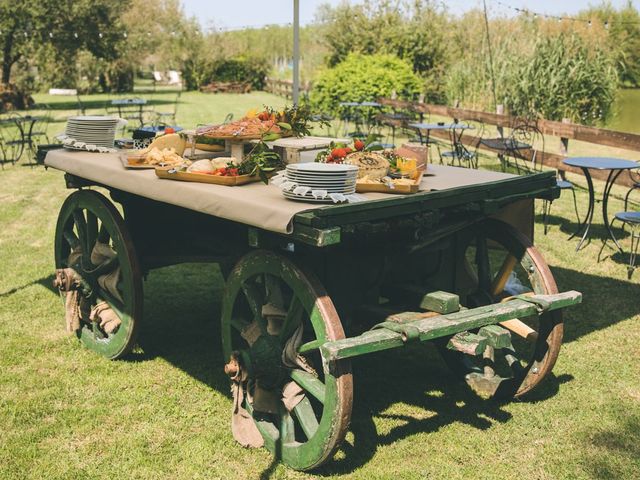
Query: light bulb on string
[
  {"x": 125, "y": 35},
  {"x": 589, "y": 23},
  {"x": 75, "y": 35},
  {"x": 50, "y": 35},
  {"x": 100, "y": 34}
]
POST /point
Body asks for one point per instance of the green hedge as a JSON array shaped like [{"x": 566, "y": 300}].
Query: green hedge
[
  {"x": 362, "y": 78},
  {"x": 239, "y": 69}
]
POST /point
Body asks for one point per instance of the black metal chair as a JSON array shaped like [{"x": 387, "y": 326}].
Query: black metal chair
[
  {"x": 525, "y": 147},
  {"x": 632, "y": 219},
  {"x": 459, "y": 152},
  {"x": 37, "y": 133},
  {"x": 12, "y": 138},
  {"x": 635, "y": 179}
]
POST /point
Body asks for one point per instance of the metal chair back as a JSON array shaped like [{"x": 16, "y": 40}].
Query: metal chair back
[
  {"x": 526, "y": 147},
  {"x": 12, "y": 138}
]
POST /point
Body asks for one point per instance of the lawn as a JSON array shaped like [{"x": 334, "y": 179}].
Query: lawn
[{"x": 165, "y": 413}]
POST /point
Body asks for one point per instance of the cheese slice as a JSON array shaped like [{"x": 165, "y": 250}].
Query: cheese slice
[{"x": 170, "y": 140}]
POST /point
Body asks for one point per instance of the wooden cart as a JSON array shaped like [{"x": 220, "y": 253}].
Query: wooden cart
[{"x": 348, "y": 280}]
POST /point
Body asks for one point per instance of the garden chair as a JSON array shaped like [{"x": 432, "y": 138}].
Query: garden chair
[
  {"x": 632, "y": 219},
  {"x": 525, "y": 147},
  {"x": 635, "y": 179},
  {"x": 12, "y": 139},
  {"x": 459, "y": 152},
  {"x": 38, "y": 129},
  {"x": 168, "y": 118}
]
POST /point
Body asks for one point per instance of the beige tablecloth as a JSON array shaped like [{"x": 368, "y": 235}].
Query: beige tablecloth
[{"x": 255, "y": 204}]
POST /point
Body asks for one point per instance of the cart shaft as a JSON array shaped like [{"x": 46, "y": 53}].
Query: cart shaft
[{"x": 421, "y": 326}]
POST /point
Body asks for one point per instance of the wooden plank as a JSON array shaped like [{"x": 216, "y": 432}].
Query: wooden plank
[
  {"x": 574, "y": 131},
  {"x": 440, "y": 302},
  {"x": 444, "y": 325},
  {"x": 549, "y": 159}
]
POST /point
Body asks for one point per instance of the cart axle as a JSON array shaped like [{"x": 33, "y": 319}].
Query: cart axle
[{"x": 415, "y": 327}]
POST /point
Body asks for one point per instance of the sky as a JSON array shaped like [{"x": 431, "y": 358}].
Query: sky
[{"x": 240, "y": 13}]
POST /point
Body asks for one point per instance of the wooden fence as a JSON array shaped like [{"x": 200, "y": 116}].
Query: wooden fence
[
  {"x": 284, "y": 88},
  {"x": 564, "y": 130}
]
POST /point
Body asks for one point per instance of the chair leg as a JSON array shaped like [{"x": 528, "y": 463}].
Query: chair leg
[
  {"x": 626, "y": 197},
  {"x": 575, "y": 205},
  {"x": 546, "y": 210},
  {"x": 635, "y": 245}
]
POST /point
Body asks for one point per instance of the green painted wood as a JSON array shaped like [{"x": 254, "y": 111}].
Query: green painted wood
[
  {"x": 443, "y": 325},
  {"x": 440, "y": 302},
  {"x": 310, "y": 383},
  {"x": 306, "y": 416},
  {"x": 292, "y": 320},
  {"x": 297, "y": 454},
  {"x": 467, "y": 342},
  {"x": 310, "y": 346},
  {"x": 496, "y": 336},
  {"x": 82, "y": 211},
  {"x": 316, "y": 236}
]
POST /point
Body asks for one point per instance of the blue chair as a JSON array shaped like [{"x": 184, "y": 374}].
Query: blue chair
[{"x": 633, "y": 220}]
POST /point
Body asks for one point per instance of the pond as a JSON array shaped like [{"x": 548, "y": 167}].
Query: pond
[{"x": 626, "y": 117}]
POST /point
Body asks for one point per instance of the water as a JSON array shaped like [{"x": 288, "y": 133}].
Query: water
[{"x": 626, "y": 112}]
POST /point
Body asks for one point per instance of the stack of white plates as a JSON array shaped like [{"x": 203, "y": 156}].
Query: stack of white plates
[
  {"x": 319, "y": 182},
  {"x": 95, "y": 130}
]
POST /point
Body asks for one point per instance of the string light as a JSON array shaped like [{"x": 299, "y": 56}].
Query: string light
[{"x": 559, "y": 18}]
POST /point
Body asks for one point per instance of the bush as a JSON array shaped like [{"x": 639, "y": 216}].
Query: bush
[
  {"x": 555, "y": 77},
  {"x": 362, "y": 78},
  {"x": 565, "y": 79},
  {"x": 239, "y": 69}
]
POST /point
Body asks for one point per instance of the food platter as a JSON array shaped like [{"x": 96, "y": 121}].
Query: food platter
[{"x": 171, "y": 173}]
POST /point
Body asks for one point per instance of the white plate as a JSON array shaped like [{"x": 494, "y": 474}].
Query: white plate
[
  {"x": 321, "y": 167},
  {"x": 93, "y": 118}
]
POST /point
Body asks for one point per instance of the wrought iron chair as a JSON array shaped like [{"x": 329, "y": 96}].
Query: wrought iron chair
[
  {"x": 459, "y": 152},
  {"x": 632, "y": 219},
  {"x": 12, "y": 139},
  {"x": 38, "y": 128},
  {"x": 526, "y": 148},
  {"x": 635, "y": 179}
]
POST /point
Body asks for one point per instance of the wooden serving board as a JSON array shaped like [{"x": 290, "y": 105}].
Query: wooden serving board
[
  {"x": 163, "y": 172},
  {"x": 402, "y": 189},
  {"x": 382, "y": 188}
]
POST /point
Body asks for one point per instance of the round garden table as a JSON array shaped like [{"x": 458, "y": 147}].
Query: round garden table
[{"x": 615, "y": 166}]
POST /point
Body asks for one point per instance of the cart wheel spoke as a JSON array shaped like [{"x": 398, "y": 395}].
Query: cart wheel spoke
[
  {"x": 292, "y": 320},
  {"x": 310, "y": 384},
  {"x": 72, "y": 239},
  {"x": 306, "y": 417},
  {"x": 500, "y": 280},
  {"x": 255, "y": 298},
  {"x": 92, "y": 230},
  {"x": 482, "y": 261},
  {"x": 103, "y": 234},
  {"x": 287, "y": 427}
]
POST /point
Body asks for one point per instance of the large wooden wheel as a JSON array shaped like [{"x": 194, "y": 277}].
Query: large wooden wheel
[
  {"x": 266, "y": 293},
  {"x": 494, "y": 263},
  {"x": 88, "y": 219}
]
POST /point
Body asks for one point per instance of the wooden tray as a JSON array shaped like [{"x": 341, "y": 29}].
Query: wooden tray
[
  {"x": 403, "y": 189},
  {"x": 163, "y": 172},
  {"x": 382, "y": 188}
]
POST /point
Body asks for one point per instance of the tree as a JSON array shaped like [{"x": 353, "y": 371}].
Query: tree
[{"x": 62, "y": 27}]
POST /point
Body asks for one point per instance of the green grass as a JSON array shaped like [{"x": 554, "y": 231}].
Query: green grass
[{"x": 165, "y": 413}]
